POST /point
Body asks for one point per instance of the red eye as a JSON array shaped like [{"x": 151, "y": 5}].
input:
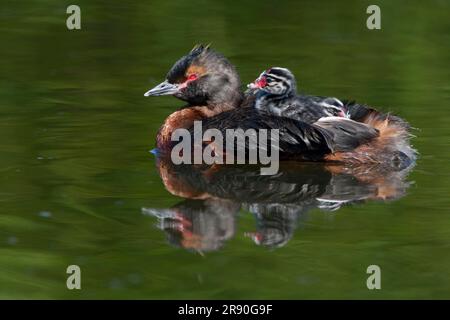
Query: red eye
[
  {"x": 192, "y": 77},
  {"x": 261, "y": 82}
]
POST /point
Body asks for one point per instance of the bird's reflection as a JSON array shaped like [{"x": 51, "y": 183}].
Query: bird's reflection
[{"x": 214, "y": 195}]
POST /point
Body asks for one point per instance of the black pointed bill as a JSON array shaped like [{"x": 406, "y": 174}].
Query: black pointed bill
[{"x": 162, "y": 89}]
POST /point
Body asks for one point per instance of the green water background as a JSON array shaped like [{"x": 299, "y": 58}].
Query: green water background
[{"x": 76, "y": 130}]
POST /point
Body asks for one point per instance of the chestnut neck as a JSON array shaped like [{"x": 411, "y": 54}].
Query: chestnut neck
[{"x": 184, "y": 119}]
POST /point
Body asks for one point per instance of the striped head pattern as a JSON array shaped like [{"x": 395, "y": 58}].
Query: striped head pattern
[{"x": 275, "y": 81}]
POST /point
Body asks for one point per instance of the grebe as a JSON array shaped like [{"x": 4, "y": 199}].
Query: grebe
[
  {"x": 276, "y": 92},
  {"x": 207, "y": 81},
  {"x": 210, "y": 85}
]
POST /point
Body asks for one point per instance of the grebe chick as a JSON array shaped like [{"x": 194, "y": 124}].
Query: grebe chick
[{"x": 276, "y": 93}]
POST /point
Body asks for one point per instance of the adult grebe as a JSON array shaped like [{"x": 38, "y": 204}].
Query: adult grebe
[{"x": 210, "y": 85}]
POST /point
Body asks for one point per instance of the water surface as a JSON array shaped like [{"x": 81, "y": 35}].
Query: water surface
[{"x": 76, "y": 133}]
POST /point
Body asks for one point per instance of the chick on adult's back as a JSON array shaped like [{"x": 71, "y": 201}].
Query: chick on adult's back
[{"x": 276, "y": 93}]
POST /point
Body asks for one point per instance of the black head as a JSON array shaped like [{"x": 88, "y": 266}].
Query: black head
[
  {"x": 276, "y": 81},
  {"x": 202, "y": 77}
]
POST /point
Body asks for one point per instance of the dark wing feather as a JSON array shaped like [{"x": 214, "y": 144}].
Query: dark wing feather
[
  {"x": 347, "y": 134},
  {"x": 296, "y": 138},
  {"x": 360, "y": 113}
]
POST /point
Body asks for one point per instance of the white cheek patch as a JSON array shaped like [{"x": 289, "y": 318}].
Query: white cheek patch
[{"x": 277, "y": 88}]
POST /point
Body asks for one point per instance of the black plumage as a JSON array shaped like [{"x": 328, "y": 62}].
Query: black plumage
[
  {"x": 275, "y": 92},
  {"x": 210, "y": 85}
]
